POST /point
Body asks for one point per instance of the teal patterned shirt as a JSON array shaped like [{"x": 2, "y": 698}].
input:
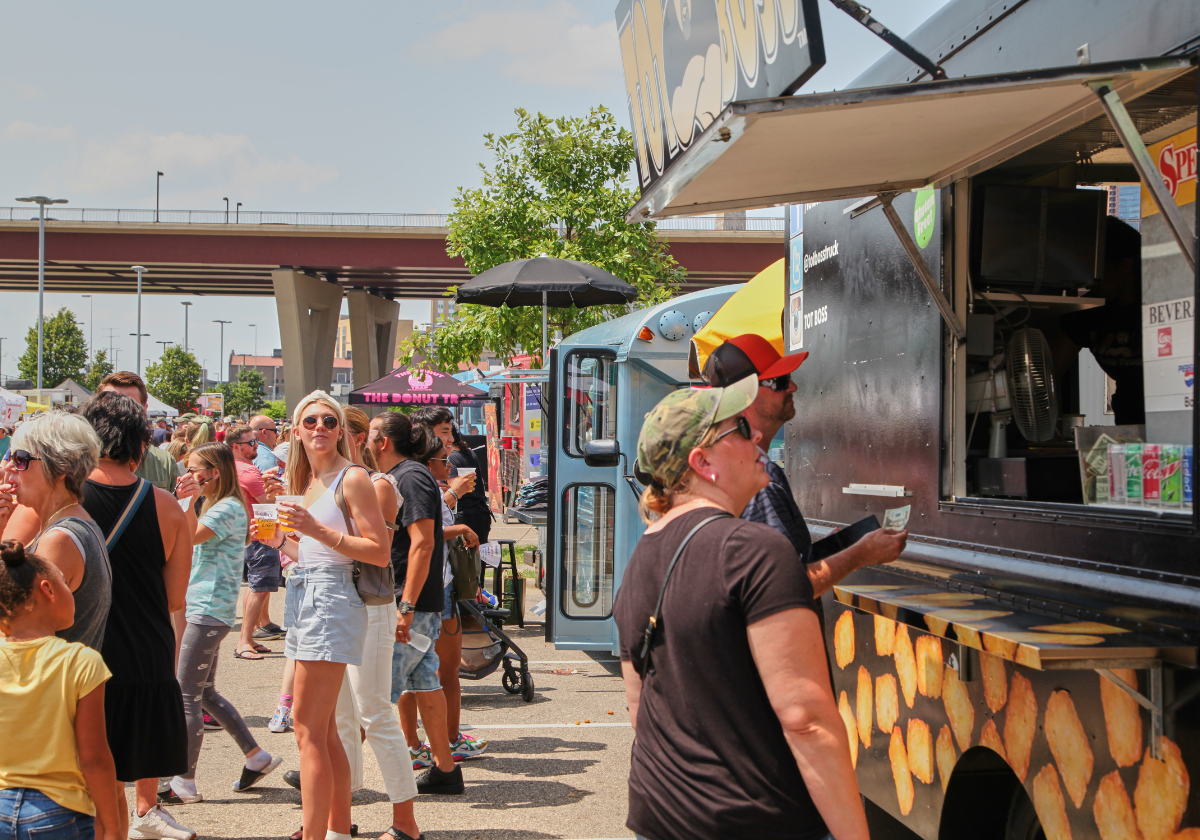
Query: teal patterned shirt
[{"x": 217, "y": 562}]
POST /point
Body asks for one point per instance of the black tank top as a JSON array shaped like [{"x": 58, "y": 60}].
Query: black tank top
[{"x": 139, "y": 641}]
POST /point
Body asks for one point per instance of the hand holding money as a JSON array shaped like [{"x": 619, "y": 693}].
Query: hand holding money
[
  {"x": 896, "y": 520},
  {"x": 880, "y": 547}
]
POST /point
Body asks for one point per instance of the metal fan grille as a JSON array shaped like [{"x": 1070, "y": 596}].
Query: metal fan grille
[{"x": 1031, "y": 385}]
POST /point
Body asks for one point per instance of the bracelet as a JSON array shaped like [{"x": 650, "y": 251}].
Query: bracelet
[
  {"x": 457, "y": 498},
  {"x": 341, "y": 537}
]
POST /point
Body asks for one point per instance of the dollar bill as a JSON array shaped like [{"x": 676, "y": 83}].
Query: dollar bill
[
  {"x": 1097, "y": 457},
  {"x": 896, "y": 519}
]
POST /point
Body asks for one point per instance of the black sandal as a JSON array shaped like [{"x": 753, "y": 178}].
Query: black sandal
[
  {"x": 252, "y": 777},
  {"x": 397, "y": 834}
]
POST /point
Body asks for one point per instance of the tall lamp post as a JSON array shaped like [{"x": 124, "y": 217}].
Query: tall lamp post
[
  {"x": 91, "y": 325},
  {"x": 139, "y": 344},
  {"x": 165, "y": 345},
  {"x": 237, "y": 213},
  {"x": 41, "y": 201},
  {"x": 186, "y": 310},
  {"x": 226, "y": 200},
  {"x": 221, "y": 360},
  {"x": 139, "y": 269},
  {"x": 157, "y": 184},
  {"x": 1, "y": 362}
]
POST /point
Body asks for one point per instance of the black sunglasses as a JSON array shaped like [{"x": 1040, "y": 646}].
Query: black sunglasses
[
  {"x": 328, "y": 421},
  {"x": 743, "y": 426},
  {"x": 21, "y": 458},
  {"x": 779, "y": 383}
]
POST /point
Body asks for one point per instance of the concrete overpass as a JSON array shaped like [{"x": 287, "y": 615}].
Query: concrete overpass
[{"x": 308, "y": 262}]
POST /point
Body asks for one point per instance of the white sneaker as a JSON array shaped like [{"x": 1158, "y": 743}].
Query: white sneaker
[
  {"x": 281, "y": 721},
  {"x": 158, "y": 824}
]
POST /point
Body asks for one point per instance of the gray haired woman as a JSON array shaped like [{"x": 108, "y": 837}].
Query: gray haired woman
[{"x": 51, "y": 456}]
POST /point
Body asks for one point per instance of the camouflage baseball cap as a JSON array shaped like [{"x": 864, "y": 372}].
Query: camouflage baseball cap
[{"x": 675, "y": 427}]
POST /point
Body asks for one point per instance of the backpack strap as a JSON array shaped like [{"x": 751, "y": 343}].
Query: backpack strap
[
  {"x": 656, "y": 619},
  {"x": 135, "y": 502},
  {"x": 340, "y": 499}
]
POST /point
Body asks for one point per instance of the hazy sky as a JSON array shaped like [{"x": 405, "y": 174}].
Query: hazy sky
[{"x": 367, "y": 107}]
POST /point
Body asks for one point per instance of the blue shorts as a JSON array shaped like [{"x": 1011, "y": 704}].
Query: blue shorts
[
  {"x": 263, "y": 572},
  {"x": 448, "y": 610},
  {"x": 411, "y": 669},
  {"x": 28, "y": 814},
  {"x": 325, "y": 616}
]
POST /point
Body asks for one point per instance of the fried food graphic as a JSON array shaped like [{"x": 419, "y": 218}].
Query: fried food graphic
[
  {"x": 885, "y": 634},
  {"x": 851, "y": 727},
  {"x": 1020, "y": 724},
  {"x": 1122, "y": 718},
  {"x": 995, "y": 681},
  {"x": 1113, "y": 810},
  {"x": 1001, "y": 647},
  {"x": 969, "y": 636},
  {"x": 989, "y": 737},
  {"x": 946, "y": 755},
  {"x": 1069, "y": 745},
  {"x": 1160, "y": 797},
  {"x": 920, "y": 750},
  {"x": 959, "y": 708},
  {"x": 937, "y": 625},
  {"x": 843, "y": 639},
  {"x": 887, "y": 703},
  {"x": 929, "y": 666},
  {"x": 1081, "y": 627},
  {"x": 863, "y": 705},
  {"x": 906, "y": 664},
  {"x": 1050, "y": 806},
  {"x": 901, "y": 773},
  {"x": 1072, "y": 639}
]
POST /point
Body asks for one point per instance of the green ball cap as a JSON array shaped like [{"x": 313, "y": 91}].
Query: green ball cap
[{"x": 675, "y": 426}]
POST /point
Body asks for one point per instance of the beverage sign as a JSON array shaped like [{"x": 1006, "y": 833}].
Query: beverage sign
[
  {"x": 1175, "y": 158},
  {"x": 1168, "y": 369},
  {"x": 685, "y": 60}
]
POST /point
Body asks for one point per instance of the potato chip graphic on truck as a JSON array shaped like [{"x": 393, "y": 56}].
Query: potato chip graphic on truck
[
  {"x": 1020, "y": 724},
  {"x": 947, "y": 757},
  {"x": 959, "y": 708},
  {"x": 920, "y": 750},
  {"x": 906, "y": 664},
  {"x": 887, "y": 703},
  {"x": 1122, "y": 718},
  {"x": 1050, "y": 806},
  {"x": 864, "y": 706},
  {"x": 1069, "y": 744},
  {"x": 901, "y": 772},
  {"x": 843, "y": 639},
  {"x": 995, "y": 680},
  {"x": 851, "y": 727},
  {"x": 885, "y": 635},
  {"x": 1161, "y": 795},
  {"x": 929, "y": 666},
  {"x": 1113, "y": 810}
]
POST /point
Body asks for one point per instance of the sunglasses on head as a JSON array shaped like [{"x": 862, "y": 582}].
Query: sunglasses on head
[
  {"x": 20, "y": 460},
  {"x": 328, "y": 421},
  {"x": 779, "y": 383},
  {"x": 743, "y": 426}
]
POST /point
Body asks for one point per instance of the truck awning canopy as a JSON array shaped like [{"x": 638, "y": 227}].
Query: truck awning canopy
[{"x": 858, "y": 143}]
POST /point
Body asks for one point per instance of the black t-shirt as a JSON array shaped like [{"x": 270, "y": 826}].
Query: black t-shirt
[
  {"x": 422, "y": 500},
  {"x": 710, "y": 759},
  {"x": 476, "y": 500}
]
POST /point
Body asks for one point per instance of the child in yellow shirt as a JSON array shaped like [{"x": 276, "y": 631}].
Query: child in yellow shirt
[{"x": 57, "y": 780}]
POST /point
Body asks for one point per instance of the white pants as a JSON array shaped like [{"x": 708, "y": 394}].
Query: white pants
[{"x": 366, "y": 700}]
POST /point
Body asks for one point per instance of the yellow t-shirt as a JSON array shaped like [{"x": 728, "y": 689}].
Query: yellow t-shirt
[{"x": 41, "y": 683}]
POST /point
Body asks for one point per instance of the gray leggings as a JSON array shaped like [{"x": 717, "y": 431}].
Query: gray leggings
[{"x": 197, "y": 677}]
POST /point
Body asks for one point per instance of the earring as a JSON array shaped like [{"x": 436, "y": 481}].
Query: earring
[{"x": 714, "y": 477}]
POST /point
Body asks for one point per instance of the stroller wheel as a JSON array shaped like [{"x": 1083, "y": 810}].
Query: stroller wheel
[
  {"x": 527, "y": 687},
  {"x": 512, "y": 681}
]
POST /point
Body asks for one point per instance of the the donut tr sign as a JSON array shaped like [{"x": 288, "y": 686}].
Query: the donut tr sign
[{"x": 685, "y": 60}]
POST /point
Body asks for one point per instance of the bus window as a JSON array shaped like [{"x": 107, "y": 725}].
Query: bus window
[
  {"x": 591, "y": 401},
  {"x": 587, "y": 551}
]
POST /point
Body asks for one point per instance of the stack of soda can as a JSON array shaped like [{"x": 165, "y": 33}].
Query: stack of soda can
[{"x": 1150, "y": 474}]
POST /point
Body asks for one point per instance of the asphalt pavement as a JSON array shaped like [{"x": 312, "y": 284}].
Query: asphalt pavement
[{"x": 554, "y": 768}]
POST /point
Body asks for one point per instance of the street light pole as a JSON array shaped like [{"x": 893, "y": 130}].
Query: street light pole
[
  {"x": 185, "y": 304},
  {"x": 226, "y": 200},
  {"x": 41, "y": 201},
  {"x": 139, "y": 269},
  {"x": 221, "y": 360},
  {"x": 1, "y": 362},
  {"x": 255, "y": 343},
  {"x": 157, "y": 184},
  {"x": 237, "y": 213},
  {"x": 91, "y": 325},
  {"x": 139, "y": 344},
  {"x": 165, "y": 345}
]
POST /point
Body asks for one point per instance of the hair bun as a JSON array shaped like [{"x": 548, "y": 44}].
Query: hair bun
[{"x": 12, "y": 552}]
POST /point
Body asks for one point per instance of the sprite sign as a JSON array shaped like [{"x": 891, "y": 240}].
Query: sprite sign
[{"x": 924, "y": 215}]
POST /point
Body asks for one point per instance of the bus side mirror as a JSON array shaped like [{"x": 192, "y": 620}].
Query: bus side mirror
[{"x": 602, "y": 453}]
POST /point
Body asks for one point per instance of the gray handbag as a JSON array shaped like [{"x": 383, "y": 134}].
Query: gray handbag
[{"x": 376, "y": 584}]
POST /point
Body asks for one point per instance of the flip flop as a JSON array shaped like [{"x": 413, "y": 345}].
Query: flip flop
[
  {"x": 397, "y": 834},
  {"x": 252, "y": 777},
  {"x": 247, "y": 654},
  {"x": 262, "y": 648}
]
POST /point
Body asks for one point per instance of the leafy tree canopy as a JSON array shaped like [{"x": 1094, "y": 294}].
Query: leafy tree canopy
[
  {"x": 275, "y": 409},
  {"x": 64, "y": 352},
  {"x": 99, "y": 368},
  {"x": 245, "y": 396},
  {"x": 558, "y": 188},
  {"x": 175, "y": 379}
]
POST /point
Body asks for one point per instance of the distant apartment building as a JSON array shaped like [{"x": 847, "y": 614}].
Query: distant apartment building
[
  {"x": 1125, "y": 202},
  {"x": 271, "y": 368}
]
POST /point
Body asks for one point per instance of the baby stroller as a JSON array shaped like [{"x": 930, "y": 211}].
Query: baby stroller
[{"x": 487, "y": 647}]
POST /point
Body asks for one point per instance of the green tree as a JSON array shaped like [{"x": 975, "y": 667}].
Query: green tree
[
  {"x": 275, "y": 409},
  {"x": 64, "y": 352},
  {"x": 246, "y": 394},
  {"x": 558, "y": 188},
  {"x": 99, "y": 368},
  {"x": 175, "y": 378}
]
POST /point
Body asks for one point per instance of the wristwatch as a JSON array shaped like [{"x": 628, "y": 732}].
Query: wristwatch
[{"x": 404, "y": 608}]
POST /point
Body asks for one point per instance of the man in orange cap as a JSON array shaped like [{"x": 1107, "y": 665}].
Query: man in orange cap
[{"x": 775, "y": 505}]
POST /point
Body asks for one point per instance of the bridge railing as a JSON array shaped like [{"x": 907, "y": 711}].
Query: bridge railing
[{"x": 390, "y": 220}]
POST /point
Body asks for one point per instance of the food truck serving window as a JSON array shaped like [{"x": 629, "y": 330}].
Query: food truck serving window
[
  {"x": 588, "y": 550},
  {"x": 590, "y": 398}
]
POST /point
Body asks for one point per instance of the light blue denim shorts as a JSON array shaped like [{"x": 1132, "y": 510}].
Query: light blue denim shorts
[
  {"x": 411, "y": 669},
  {"x": 325, "y": 617}
]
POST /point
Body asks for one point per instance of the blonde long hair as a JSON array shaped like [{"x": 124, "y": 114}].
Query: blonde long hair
[
  {"x": 358, "y": 423},
  {"x": 219, "y": 456},
  {"x": 299, "y": 469}
]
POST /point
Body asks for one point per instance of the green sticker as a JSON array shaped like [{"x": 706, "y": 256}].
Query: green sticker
[{"x": 924, "y": 215}]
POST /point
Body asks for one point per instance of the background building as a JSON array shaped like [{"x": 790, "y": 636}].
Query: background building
[{"x": 271, "y": 368}]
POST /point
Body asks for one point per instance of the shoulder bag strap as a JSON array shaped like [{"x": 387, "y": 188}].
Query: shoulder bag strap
[
  {"x": 340, "y": 499},
  {"x": 135, "y": 502},
  {"x": 656, "y": 619}
]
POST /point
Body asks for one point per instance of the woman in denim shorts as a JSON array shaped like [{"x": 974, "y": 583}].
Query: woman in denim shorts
[{"x": 327, "y": 619}]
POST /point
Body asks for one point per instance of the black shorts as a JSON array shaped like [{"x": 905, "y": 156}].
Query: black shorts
[{"x": 263, "y": 572}]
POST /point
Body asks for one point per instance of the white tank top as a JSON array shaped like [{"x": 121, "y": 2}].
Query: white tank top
[{"x": 326, "y": 511}]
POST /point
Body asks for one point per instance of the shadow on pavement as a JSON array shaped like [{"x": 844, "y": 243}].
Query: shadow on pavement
[
  {"x": 538, "y": 745},
  {"x": 491, "y": 795},
  {"x": 539, "y": 767}
]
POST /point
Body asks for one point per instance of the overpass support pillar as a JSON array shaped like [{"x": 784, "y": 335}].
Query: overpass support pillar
[
  {"x": 373, "y": 326},
  {"x": 309, "y": 308}
]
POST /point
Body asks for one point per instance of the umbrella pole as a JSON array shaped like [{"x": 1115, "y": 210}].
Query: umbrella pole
[{"x": 544, "y": 298}]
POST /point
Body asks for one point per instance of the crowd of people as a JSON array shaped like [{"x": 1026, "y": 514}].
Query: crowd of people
[{"x": 124, "y": 548}]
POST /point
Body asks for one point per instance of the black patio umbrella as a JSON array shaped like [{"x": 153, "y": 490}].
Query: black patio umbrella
[{"x": 548, "y": 281}]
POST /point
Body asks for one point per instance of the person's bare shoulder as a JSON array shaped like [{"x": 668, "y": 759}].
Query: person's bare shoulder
[{"x": 170, "y": 514}]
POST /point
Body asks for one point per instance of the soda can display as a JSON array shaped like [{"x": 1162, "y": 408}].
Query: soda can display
[
  {"x": 1151, "y": 488},
  {"x": 1133, "y": 473},
  {"x": 1170, "y": 475},
  {"x": 1188, "y": 474},
  {"x": 1116, "y": 474}
]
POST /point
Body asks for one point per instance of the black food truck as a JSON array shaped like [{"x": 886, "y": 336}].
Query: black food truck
[{"x": 990, "y": 348}]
